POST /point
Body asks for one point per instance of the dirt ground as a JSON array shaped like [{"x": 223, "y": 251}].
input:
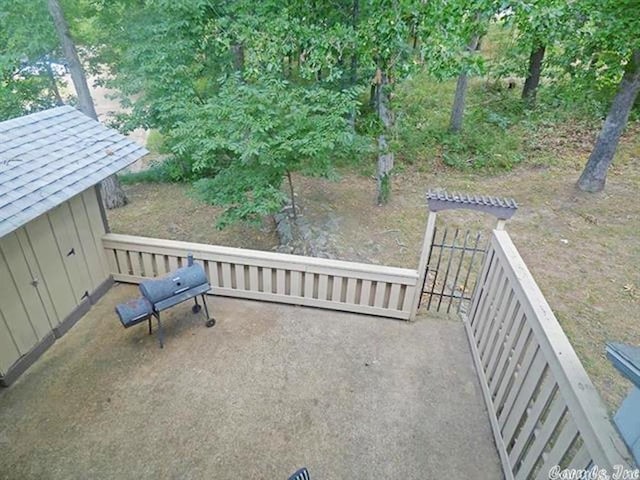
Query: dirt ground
[
  {"x": 168, "y": 211},
  {"x": 269, "y": 389},
  {"x": 583, "y": 249}
]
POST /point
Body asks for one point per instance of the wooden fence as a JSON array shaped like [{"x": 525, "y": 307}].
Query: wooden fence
[
  {"x": 544, "y": 410},
  {"x": 256, "y": 275}
]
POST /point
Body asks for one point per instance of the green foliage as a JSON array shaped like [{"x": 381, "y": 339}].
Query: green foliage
[
  {"x": 534, "y": 24},
  {"x": 261, "y": 132},
  {"x": 163, "y": 171},
  {"x": 240, "y": 93},
  {"x": 588, "y": 43},
  {"x": 158, "y": 52},
  {"x": 26, "y": 38},
  {"x": 493, "y": 141},
  {"x": 445, "y": 30},
  {"x": 28, "y": 47},
  {"x": 155, "y": 142},
  {"x": 23, "y": 94},
  {"x": 235, "y": 123}
]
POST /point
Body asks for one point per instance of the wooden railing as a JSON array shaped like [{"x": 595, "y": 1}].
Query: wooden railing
[
  {"x": 251, "y": 274},
  {"x": 543, "y": 408}
]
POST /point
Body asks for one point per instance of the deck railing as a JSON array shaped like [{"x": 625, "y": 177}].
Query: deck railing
[
  {"x": 268, "y": 276},
  {"x": 544, "y": 410}
]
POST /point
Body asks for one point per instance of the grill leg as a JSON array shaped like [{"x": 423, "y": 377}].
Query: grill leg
[
  {"x": 210, "y": 320},
  {"x": 196, "y": 308},
  {"x": 160, "y": 332}
]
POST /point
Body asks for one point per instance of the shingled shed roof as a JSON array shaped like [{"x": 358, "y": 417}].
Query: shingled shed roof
[{"x": 48, "y": 157}]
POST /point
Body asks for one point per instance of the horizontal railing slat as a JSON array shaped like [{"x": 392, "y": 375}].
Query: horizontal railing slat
[
  {"x": 291, "y": 300},
  {"x": 257, "y": 258},
  {"x": 269, "y": 276}
]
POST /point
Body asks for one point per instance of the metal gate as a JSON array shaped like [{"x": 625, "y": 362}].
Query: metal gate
[
  {"x": 450, "y": 269},
  {"x": 455, "y": 259}
]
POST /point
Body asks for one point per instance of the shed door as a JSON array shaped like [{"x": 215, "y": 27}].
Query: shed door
[
  {"x": 71, "y": 251},
  {"x": 54, "y": 274},
  {"x": 24, "y": 319}
]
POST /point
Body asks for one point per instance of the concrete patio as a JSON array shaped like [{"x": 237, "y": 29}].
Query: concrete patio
[{"x": 271, "y": 388}]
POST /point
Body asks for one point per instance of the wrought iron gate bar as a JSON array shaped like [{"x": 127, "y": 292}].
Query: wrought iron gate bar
[
  {"x": 446, "y": 273},
  {"x": 459, "y": 268},
  {"x": 456, "y": 247},
  {"x": 455, "y": 279},
  {"x": 426, "y": 274},
  {"x": 437, "y": 269}
]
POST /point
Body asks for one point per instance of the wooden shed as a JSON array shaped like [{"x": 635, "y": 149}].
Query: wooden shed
[{"x": 52, "y": 263}]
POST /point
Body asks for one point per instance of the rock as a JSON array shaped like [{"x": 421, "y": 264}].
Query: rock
[
  {"x": 298, "y": 236},
  {"x": 283, "y": 228}
]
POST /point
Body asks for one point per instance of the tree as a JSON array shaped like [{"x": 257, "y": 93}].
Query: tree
[
  {"x": 594, "y": 175},
  {"x": 263, "y": 133},
  {"x": 609, "y": 41},
  {"x": 28, "y": 46},
  {"x": 457, "y": 112},
  {"x": 179, "y": 59},
  {"x": 385, "y": 52},
  {"x": 85, "y": 102},
  {"x": 244, "y": 94},
  {"x": 471, "y": 21},
  {"x": 113, "y": 195},
  {"x": 530, "y": 88},
  {"x": 540, "y": 24}
]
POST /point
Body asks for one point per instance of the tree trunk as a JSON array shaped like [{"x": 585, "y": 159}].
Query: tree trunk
[
  {"x": 355, "y": 12},
  {"x": 112, "y": 193},
  {"x": 292, "y": 193},
  {"x": 385, "y": 165},
  {"x": 353, "y": 69},
  {"x": 533, "y": 76},
  {"x": 457, "y": 112},
  {"x": 54, "y": 84},
  {"x": 385, "y": 156},
  {"x": 237, "y": 51},
  {"x": 594, "y": 176},
  {"x": 85, "y": 103},
  {"x": 372, "y": 95}
]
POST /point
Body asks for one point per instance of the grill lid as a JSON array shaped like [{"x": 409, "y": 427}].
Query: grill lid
[{"x": 178, "y": 282}]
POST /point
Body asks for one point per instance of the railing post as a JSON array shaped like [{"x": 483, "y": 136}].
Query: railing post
[{"x": 422, "y": 267}]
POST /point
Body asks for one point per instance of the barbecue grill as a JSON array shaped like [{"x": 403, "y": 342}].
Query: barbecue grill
[{"x": 159, "y": 294}]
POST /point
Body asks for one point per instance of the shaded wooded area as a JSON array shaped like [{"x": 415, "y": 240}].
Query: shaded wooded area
[{"x": 244, "y": 94}]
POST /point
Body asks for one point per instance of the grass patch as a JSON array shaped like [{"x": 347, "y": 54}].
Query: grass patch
[
  {"x": 490, "y": 140},
  {"x": 165, "y": 170},
  {"x": 155, "y": 142},
  {"x": 153, "y": 174},
  {"x": 498, "y": 133}
]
